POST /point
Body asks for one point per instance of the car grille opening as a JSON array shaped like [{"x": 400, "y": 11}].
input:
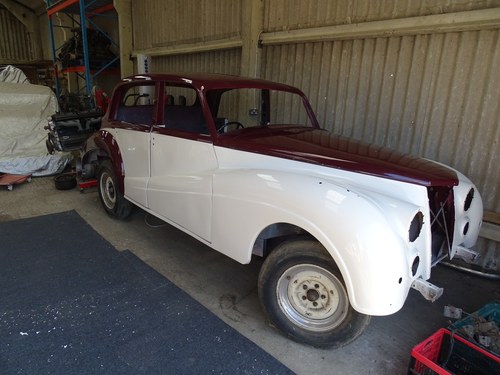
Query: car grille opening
[{"x": 442, "y": 210}]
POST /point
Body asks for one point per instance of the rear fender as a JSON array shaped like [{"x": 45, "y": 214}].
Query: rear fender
[{"x": 103, "y": 145}]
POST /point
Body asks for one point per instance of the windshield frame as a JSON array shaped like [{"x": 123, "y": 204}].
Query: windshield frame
[{"x": 213, "y": 98}]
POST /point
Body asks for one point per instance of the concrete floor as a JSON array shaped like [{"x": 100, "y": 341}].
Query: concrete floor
[{"x": 229, "y": 290}]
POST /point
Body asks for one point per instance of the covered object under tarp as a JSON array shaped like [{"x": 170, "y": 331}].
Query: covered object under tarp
[{"x": 24, "y": 109}]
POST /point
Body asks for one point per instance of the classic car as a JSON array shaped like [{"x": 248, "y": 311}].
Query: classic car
[{"x": 346, "y": 228}]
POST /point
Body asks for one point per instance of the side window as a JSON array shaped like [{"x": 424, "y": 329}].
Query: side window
[
  {"x": 238, "y": 106},
  {"x": 235, "y": 109},
  {"x": 135, "y": 105},
  {"x": 183, "y": 110}
]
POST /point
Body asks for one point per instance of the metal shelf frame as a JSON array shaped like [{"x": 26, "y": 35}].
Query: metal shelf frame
[{"x": 86, "y": 9}]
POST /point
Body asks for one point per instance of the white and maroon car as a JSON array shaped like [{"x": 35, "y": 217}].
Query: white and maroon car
[{"x": 242, "y": 165}]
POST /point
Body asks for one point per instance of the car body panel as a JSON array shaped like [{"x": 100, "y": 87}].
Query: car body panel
[
  {"x": 367, "y": 248},
  {"x": 324, "y": 148},
  {"x": 134, "y": 148},
  {"x": 180, "y": 184}
]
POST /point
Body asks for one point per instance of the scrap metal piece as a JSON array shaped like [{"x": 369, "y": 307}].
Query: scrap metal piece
[
  {"x": 452, "y": 312},
  {"x": 487, "y": 327},
  {"x": 485, "y": 340},
  {"x": 467, "y": 255},
  {"x": 430, "y": 291},
  {"x": 468, "y": 330}
]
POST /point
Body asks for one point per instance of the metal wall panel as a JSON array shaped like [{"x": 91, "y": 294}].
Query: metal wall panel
[
  {"x": 436, "y": 96},
  {"x": 159, "y": 23},
  {"x": 227, "y": 62},
  {"x": 297, "y": 14},
  {"x": 15, "y": 45}
]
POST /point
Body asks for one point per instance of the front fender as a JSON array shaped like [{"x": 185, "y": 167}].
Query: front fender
[
  {"x": 360, "y": 235},
  {"x": 468, "y": 213}
]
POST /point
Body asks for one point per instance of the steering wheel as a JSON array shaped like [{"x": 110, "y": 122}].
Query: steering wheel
[{"x": 229, "y": 123}]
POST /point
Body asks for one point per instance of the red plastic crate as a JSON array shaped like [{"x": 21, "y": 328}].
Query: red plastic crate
[{"x": 444, "y": 353}]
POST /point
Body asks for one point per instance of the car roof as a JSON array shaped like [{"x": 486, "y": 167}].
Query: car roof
[{"x": 208, "y": 81}]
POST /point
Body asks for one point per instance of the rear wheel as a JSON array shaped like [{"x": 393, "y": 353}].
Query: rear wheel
[
  {"x": 112, "y": 199},
  {"x": 304, "y": 295}
]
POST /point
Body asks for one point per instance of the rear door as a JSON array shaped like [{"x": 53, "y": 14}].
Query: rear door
[
  {"x": 182, "y": 163},
  {"x": 132, "y": 117}
]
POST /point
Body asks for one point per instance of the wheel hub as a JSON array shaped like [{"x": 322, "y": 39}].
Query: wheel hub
[
  {"x": 108, "y": 191},
  {"x": 312, "y": 297}
]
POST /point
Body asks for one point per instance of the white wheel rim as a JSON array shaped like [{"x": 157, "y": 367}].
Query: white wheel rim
[
  {"x": 312, "y": 297},
  {"x": 108, "y": 190}
]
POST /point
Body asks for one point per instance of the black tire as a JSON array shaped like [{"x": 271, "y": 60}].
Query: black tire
[
  {"x": 304, "y": 295},
  {"x": 111, "y": 197},
  {"x": 65, "y": 181}
]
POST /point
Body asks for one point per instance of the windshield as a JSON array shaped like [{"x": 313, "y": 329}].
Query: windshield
[{"x": 233, "y": 109}]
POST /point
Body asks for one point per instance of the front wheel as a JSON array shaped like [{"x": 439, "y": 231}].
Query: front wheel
[
  {"x": 112, "y": 199},
  {"x": 304, "y": 295}
]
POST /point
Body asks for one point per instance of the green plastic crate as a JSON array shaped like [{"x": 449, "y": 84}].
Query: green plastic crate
[{"x": 489, "y": 312}]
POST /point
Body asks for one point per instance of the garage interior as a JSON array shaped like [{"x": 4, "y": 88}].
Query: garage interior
[{"x": 416, "y": 76}]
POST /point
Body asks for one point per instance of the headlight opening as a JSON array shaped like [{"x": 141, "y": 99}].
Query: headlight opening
[
  {"x": 468, "y": 199},
  {"x": 416, "y": 226}
]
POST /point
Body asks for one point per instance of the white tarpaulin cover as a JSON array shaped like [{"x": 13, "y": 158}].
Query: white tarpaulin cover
[
  {"x": 12, "y": 74},
  {"x": 24, "y": 109}
]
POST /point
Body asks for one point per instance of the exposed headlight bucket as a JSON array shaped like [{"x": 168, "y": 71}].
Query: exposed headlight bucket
[
  {"x": 466, "y": 228},
  {"x": 468, "y": 199},
  {"x": 416, "y": 226},
  {"x": 414, "y": 266}
]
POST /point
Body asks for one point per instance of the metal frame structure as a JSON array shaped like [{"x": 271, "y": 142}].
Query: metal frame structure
[{"x": 85, "y": 9}]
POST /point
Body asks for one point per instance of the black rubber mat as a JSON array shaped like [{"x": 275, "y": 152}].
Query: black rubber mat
[{"x": 72, "y": 304}]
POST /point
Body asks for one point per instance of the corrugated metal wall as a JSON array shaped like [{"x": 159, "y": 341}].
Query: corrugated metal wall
[
  {"x": 15, "y": 44},
  {"x": 297, "y": 14},
  {"x": 227, "y": 62},
  {"x": 434, "y": 95},
  {"x": 159, "y": 23}
]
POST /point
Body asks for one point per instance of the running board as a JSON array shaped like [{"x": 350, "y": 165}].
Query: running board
[{"x": 430, "y": 291}]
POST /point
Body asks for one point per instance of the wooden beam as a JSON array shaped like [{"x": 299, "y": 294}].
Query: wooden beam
[
  {"x": 251, "y": 29},
  {"x": 491, "y": 217},
  {"x": 490, "y": 231},
  {"x": 180, "y": 49},
  {"x": 439, "y": 23},
  {"x": 124, "y": 11},
  {"x": 491, "y": 226}
]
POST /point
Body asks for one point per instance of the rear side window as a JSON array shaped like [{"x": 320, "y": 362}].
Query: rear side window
[{"x": 135, "y": 105}]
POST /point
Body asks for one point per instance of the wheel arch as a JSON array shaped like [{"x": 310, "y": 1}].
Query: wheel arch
[
  {"x": 103, "y": 145},
  {"x": 304, "y": 297},
  {"x": 274, "y": 234},
  {"x": 370, "y": 256}
]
